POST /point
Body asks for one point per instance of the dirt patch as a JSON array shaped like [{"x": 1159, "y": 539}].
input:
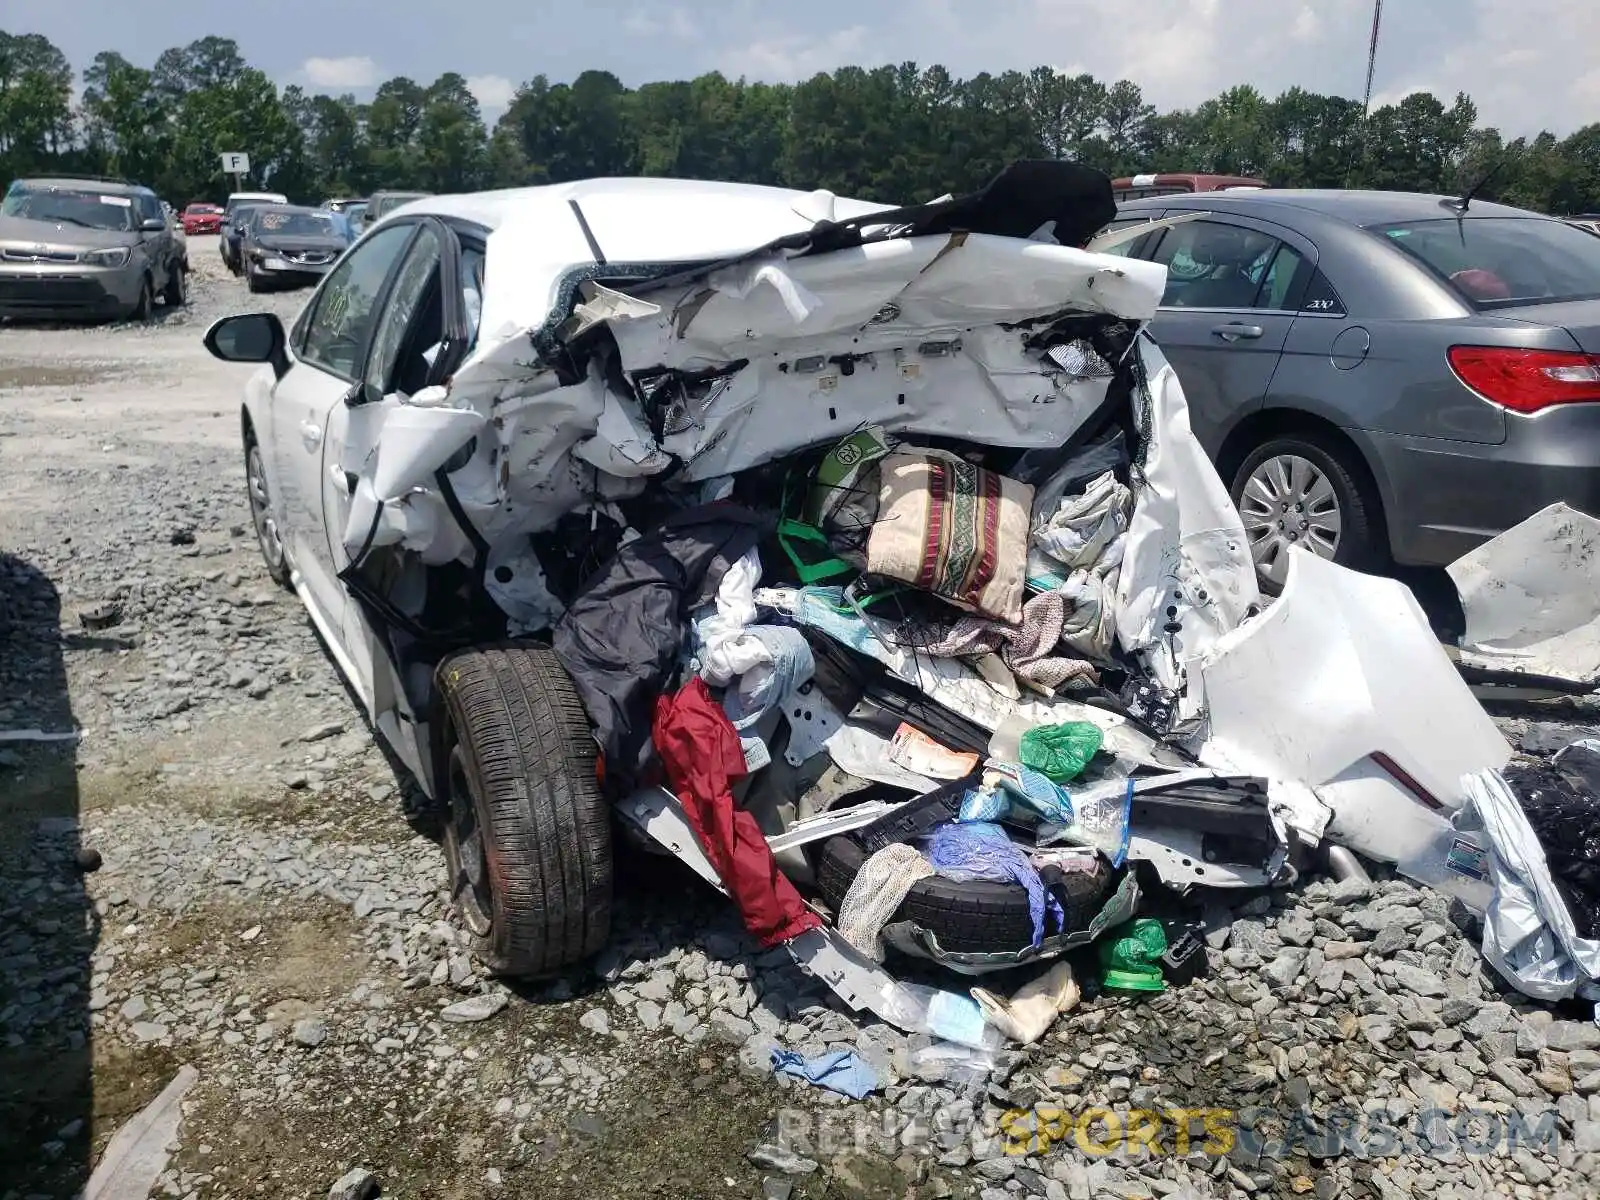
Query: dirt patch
[{"x": 53, "y": 377}]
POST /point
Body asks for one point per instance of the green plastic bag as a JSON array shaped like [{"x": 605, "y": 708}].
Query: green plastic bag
[
  {"x": 1060, "y": 752},
  {"x": 1130, "y": 956}
]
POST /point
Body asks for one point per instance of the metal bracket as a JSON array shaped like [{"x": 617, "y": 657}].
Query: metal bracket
[
  {"x": 859, "y": 982},
  {"x": 812, "y": 721},
  {"x": 657, "y": 813}
]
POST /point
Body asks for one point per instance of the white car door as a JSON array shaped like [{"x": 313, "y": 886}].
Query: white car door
[
  {"x": 327, "y": 361},
  {"x": 422, "y": 333}
]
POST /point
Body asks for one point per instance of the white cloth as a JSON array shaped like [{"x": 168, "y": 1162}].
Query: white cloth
[
  {"x": 727, "y": 651},
  {"x": 1082, "y": 527},
  {"x": 876, "y": 893}
]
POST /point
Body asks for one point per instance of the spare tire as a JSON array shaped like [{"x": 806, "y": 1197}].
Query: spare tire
[{"x": 975, "y": 917}]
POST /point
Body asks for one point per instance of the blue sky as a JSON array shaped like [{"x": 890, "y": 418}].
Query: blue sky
[{"x": 1530, "y": 64}]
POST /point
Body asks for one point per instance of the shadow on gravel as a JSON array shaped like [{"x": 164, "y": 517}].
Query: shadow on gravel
[{"x": 48, "y": 928}]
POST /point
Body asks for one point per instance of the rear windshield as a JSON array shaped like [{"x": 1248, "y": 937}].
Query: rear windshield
[{"x": 1494, "y": 262}]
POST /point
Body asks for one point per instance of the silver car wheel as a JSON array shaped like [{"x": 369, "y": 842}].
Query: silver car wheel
[
  {"x": 261, "y": 510},
  {"x": 1289, "y": 501}
]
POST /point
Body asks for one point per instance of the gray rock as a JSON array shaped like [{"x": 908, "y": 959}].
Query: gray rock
[
  {"x": 1419, "y": 982},
  {"x": 148, "y": 1031},
  {"x": 776, "y": 1158},
  {"x": 310, "y": 1032},
  {"x": 134, "y": 1009},
  {"x": 1296, "y": 931},
  {"x": 728, "y": 1028},
  {"x": 1285, "y": 969},
  {"x": 649, "y": 1014},
  {"x": 658, "y": 987},
  {"x": 321, "y": 733},
  {"x": 1391, "y": 938},
  {"x": 357, "y": 1184},
  {"x": 596, "y": 1020},
  {"x": 774, "y": 1188},
  {"x": 475, "y": 1008},
  {"x": 1573, "y": 1035}
]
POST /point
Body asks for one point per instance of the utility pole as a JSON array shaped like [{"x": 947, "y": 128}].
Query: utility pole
[{"x": 1372, "y": 55}]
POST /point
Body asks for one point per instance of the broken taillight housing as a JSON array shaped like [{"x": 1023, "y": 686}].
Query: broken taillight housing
[{"x": 1528, "y": 381}]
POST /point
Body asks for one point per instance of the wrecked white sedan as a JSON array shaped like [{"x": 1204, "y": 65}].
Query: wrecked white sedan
[{"x": 860, "y": 557}]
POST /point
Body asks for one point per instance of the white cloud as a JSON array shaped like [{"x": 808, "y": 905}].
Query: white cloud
[
  {"x": 675, "y": 22},
  {"x": 494, "y": 92},
  {"x": 796, "y": 56},
  {"x": 351, "y": 71}
]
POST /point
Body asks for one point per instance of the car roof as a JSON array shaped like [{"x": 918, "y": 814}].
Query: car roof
[
  {"x": 656, "y": 207},
  {"x": 1353, "y": 207},
  {"x": 85, "y": 183}
]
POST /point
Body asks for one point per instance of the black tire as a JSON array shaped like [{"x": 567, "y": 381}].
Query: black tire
[
  {"x": 176, "y": 293},
  {"x": 269, "y": 540},
  {"x": 144, "y": 307},
  {"x": 1362, "y": 544},
  {"x": 528, "y": 837},
  {"x": 977, "y": 916},
  {"x": 251, "y": 279}
]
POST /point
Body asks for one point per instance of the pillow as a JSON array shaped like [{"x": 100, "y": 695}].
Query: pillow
[{"x": 953, "y": 529}]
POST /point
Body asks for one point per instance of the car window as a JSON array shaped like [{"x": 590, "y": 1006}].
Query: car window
[
  {"x": 70, "y": 206},
  {"x": 1497, "y": 261},
  {"x": 472, "y": 264},
  {"x": 1211, "y": 264},
  {"x": 336, "y": 336},
  {"x": 1321, "y": 298},
  {"x": 1125, "y": 248},
  {"x": 414, "y": 297}
]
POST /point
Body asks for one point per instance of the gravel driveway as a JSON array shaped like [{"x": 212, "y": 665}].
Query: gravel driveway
[{"x": 269, "y": 910}]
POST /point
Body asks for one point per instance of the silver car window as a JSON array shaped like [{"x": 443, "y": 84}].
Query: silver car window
[
  {"x": 411, "y": 285},
  {"x": 337, "y": 334}
]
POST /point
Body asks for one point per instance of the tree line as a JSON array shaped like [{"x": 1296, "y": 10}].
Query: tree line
[{"x": 894, "y": 133}]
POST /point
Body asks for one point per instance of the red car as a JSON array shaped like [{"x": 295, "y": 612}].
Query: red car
[{"x": 202, "y": 218}]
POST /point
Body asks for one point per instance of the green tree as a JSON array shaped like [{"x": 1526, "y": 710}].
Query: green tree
[
  {"x": 35, "y": 102},
  {"x": 452, "y": 145}
]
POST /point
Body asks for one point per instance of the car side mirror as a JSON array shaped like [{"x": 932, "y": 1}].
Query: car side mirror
[
  {"x": 152, "y": 225},
  {"x": 250, "y": 338}
]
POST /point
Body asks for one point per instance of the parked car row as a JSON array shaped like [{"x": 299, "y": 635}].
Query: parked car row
[{"x": 88, "y": 247}]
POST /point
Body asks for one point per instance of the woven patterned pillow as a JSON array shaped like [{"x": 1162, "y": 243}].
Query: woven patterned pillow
[{"x": 953, "y": 529}]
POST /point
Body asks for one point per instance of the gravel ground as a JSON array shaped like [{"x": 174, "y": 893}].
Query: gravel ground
[{"x": 268, "y": 908}]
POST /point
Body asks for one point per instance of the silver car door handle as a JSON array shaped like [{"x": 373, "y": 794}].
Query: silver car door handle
[
  {"x": 310, "y": 434},
  {"x": 1234, "y": 330}
]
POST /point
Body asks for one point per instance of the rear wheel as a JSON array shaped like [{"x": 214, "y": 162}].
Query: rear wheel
[
  {"x": 528, "y": 840},
  {"x": 252, "y": 278},
  {"x": 261, "y": 515},
  {"x": 1304, "y": 490}
]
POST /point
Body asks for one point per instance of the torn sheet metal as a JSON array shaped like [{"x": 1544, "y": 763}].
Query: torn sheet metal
[
  {"x": 1186, "y": 560},
  {"x": 916, "y": 335},
  {"x": 1341, "y": 685},
  {"x": 1531, "y": 597}
]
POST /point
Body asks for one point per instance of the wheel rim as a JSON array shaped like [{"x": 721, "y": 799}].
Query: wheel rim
[
  {"x": 465, "y": 853},
  {"x": 1289, "y": 501},
  {"x": 261, "y": 509}
]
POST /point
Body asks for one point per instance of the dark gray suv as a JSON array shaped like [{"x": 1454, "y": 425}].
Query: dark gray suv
[{"x": 1381, "y": 376}]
